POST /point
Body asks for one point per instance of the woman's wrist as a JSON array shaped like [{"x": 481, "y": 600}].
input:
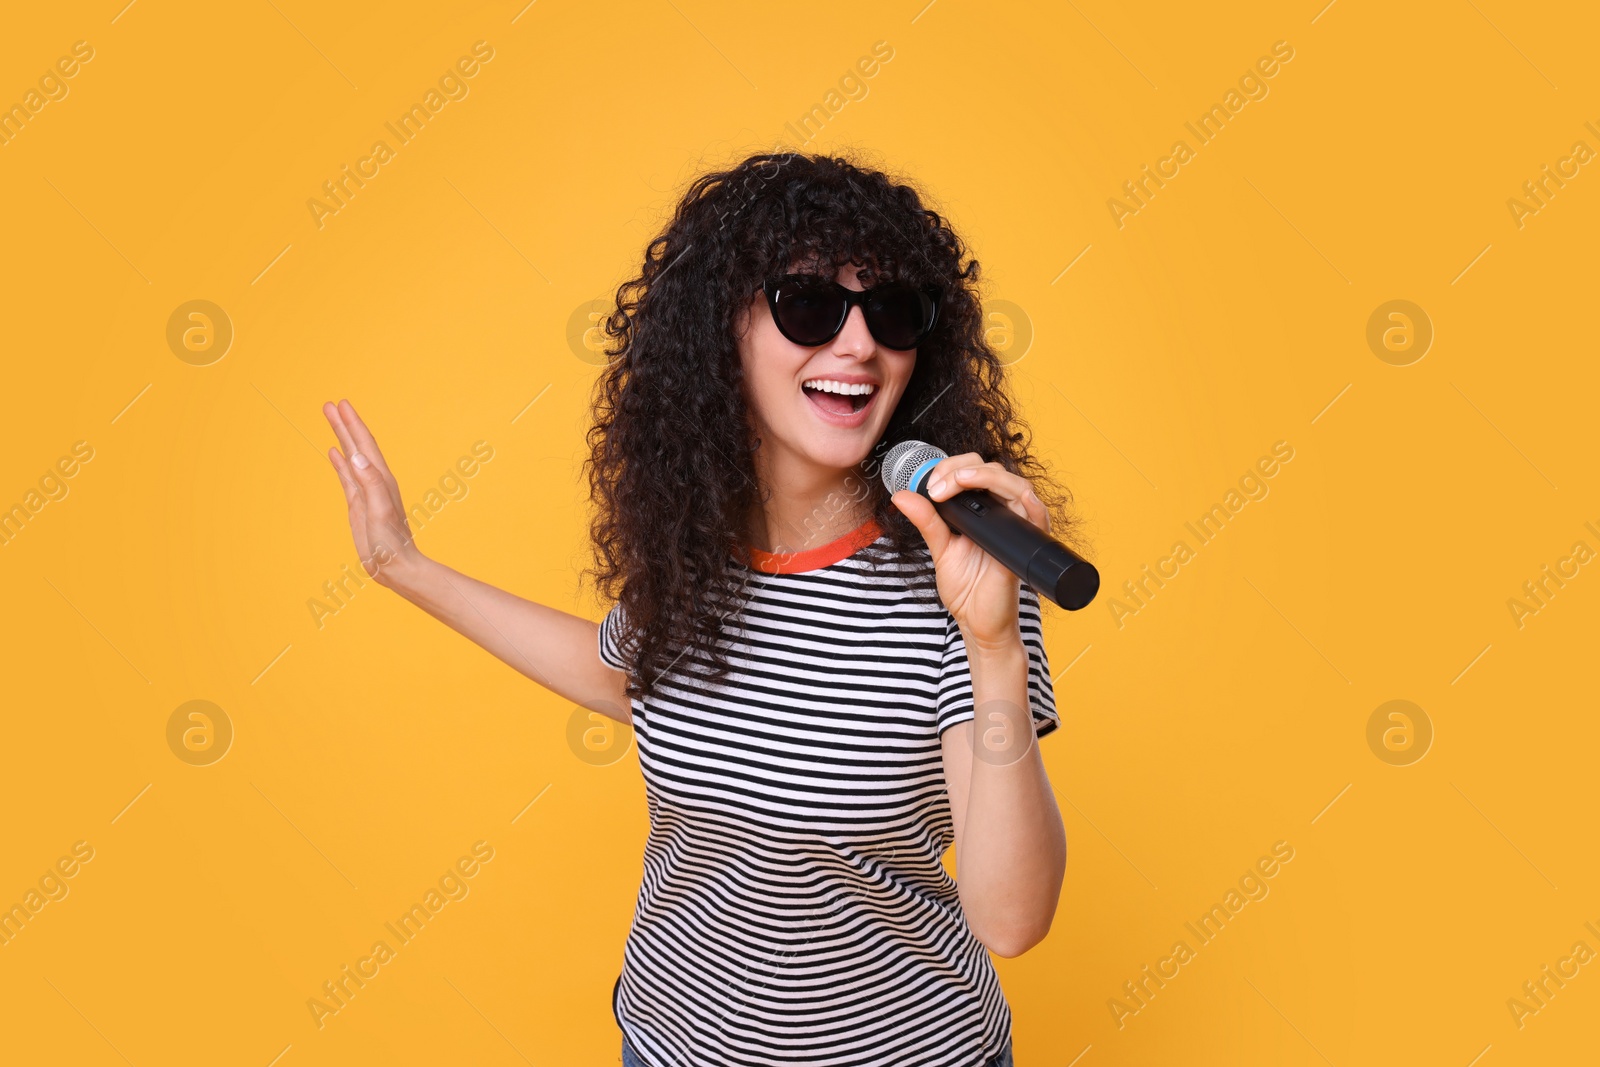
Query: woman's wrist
[
  {"x": 1003, "y": 731},
  {"x": 994, "y": 646},
  {"x": 406, "y": 573},
  {"x": 998, "y": 666}
]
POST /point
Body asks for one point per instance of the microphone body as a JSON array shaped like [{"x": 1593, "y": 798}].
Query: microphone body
[{"x": 1051, "y": 568}]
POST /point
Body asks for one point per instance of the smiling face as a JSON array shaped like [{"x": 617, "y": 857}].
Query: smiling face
[{"x": 819, "y": 411}]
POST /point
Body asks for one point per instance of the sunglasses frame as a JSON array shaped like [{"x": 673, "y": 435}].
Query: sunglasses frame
[{"x": 852, "y": 297}]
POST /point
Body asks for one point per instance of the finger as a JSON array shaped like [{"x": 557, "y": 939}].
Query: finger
[
  {"x": 343, "y": 427},
  {"x": 373, "y": 485},
  {"x": 330, "y": 411},
  {"x": 355, "y": 498},
  {"x": 366, "y": 444},
  {"x": 925, "y": 518},
  {"x": 1015, "y": 491},
  {"x": 940, "y": 481},
  {"x": 352, "y": 491}
]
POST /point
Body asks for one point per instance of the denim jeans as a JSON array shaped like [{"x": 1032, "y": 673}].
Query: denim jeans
[{"x": 1003, "y": 1059}]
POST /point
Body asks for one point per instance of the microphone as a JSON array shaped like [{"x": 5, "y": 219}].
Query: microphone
[{"x": 1047, "y": 565}]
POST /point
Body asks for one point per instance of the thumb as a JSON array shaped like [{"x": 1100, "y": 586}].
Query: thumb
[
  {"x": 380, "y": 503},
  {"x": 370, "y": 479},
  {"x": 925, "y": 517}
]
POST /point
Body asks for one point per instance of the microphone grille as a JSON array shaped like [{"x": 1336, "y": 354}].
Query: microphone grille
[{"x": 903, "y": 459}]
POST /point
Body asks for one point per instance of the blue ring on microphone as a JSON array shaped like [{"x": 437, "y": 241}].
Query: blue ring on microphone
[{"x": 915, "y": 482}]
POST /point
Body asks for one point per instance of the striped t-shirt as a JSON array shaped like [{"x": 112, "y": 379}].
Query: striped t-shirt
[{"x": 793, "y": 906}]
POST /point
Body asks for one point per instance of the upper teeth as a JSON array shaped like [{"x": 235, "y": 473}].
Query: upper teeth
[{"x": 827, "y": 385}]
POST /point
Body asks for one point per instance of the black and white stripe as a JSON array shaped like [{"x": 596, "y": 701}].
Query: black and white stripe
[{"x": 793, "y": 907}]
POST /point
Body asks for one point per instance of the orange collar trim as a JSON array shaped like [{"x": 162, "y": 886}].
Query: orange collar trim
[{"x": 816, "y": 558}]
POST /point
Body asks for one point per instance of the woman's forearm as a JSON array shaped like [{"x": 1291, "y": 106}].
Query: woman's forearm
[
  {"x": 1013, "y": 855},
  {"x": 554, "y": 648}
]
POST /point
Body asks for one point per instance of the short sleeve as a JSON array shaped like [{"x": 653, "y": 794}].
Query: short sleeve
[
  {"x": 610, "y": 653},
  {"x": 954, "y": 703}
]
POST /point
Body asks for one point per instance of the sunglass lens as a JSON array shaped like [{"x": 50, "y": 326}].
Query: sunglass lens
[
  {"x": 809, "y": 314},
  {"x": 899, "y": 316}
]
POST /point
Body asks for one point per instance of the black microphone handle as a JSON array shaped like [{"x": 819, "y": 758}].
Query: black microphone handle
[{"x": 1051, "y": 568}]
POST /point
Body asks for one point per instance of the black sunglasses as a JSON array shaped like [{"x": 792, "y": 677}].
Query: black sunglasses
[{"x": 810, "y": 310}]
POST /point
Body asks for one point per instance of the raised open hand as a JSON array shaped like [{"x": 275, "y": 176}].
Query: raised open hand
[{"x": 377, "y": 513}]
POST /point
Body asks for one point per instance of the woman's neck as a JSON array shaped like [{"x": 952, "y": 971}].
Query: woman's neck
[{"x": 808, "y": 506}]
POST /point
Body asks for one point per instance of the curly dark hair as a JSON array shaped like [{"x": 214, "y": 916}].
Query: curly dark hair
[{"x": 670, "y": 417}]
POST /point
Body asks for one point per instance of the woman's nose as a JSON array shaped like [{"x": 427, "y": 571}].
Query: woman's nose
[{"x": 855, "y": 339}]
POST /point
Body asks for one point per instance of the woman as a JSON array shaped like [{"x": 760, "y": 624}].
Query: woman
[{"x": 801, "y": 655}]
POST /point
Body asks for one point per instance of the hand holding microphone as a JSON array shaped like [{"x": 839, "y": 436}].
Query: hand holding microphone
[{"x": 1049, "y": 567}]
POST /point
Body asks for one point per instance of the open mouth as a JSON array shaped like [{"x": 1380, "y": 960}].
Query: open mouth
[{"x": 840, "y": 399}]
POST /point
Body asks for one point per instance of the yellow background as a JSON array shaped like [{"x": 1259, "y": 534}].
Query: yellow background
[{"x": 1229, "y": 713}]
